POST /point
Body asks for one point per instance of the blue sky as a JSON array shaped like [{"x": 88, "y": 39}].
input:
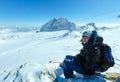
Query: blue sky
[{"x": 40, "y": 11}]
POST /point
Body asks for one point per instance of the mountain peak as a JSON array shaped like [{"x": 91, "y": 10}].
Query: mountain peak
[{"x": 58, "y": 24}]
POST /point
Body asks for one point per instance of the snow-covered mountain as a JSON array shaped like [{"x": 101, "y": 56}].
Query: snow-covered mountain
[
  {"x": 89, "y": 26},
  {"x": 58, "y": 24},
  {"x": 25, "y": 56},
  {"x": 93, "y": 26}
]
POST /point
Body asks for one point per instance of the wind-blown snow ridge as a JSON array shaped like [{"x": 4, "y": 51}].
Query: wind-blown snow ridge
[{"x": 29, "y": 72}]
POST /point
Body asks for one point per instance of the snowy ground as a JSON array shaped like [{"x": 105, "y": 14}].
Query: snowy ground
[{"x": 23, "y": 54}]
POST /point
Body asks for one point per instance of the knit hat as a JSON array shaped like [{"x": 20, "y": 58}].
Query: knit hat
[{"x": 87, "y": 34}]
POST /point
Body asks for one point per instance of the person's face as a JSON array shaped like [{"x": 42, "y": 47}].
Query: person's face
[{"x": 85, "y": 39}]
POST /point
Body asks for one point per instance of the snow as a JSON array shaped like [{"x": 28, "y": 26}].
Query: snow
[
  {"x": 29, "y": 72},
  {"x": 25, "y": 56}
]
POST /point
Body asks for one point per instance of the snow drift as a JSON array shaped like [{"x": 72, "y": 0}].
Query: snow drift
[{"x": 29, "y": 72}]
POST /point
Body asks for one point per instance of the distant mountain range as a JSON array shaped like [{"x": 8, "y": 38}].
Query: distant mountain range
[
  {"x": 55, "y": 24},
  {"x": 64, "y": 24}
]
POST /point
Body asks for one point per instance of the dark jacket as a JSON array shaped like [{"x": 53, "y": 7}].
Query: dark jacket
[{"x": 89, "y": 56}]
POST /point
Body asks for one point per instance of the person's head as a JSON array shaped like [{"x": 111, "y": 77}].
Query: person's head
[{"x": 86, "y": 36}]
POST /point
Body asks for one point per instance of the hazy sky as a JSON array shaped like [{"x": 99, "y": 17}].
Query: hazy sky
[{"x": 40, "y": 11}]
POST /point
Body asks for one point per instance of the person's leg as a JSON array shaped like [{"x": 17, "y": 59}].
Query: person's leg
[
  {"x": 68, "y": 72},
  {"x": 69, "y": 66}
]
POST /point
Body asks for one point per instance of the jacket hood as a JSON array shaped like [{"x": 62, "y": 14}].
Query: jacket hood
[{"x": 99, "y": 41}]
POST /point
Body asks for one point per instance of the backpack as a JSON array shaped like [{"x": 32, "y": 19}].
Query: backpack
[{"x": 106, "y": 60}]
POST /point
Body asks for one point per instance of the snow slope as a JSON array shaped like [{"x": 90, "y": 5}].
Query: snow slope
[{"x": 24, "y": 55}]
